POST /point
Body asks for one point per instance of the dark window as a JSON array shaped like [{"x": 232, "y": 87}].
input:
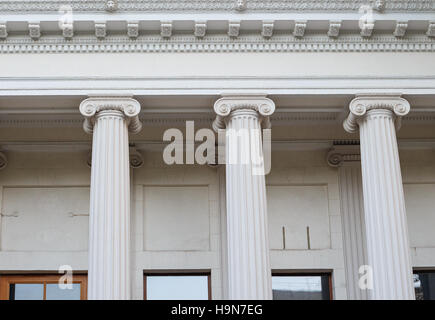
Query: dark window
[
  {"x": 177, "y": 286},
  {"x": 424, "y": 285},
  {"x": 301, "y": 286}
]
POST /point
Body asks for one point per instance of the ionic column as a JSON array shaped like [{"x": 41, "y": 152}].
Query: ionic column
[
  {"x": 388, "y": 249},
  {"x": 110, "y": 119},
  {"x": 249, "y": 273},
  {"x": 347, "y": 159}
]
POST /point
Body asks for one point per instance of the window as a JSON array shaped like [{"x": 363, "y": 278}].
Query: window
[
  {"x": 301, "y": 286},
  {"x": 177, "y": 286},
  {"x": 424, "y": 284},
  {"x": 41, "y": 287}
]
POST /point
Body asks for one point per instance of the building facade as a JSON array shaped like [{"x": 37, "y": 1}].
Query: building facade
[{"x": 337, "y": 97}]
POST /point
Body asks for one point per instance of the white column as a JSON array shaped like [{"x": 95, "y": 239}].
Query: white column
[
  {"x": 388, "y": 249},
  {"x": 110, "y": 119},
  {"x": 249, "y": 273},
  {"x": 347, "y": 159}
]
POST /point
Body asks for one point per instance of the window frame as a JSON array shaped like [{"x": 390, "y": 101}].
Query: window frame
[
  {"x": 169, "y": 273},
  {"x": 39, "y": 278},
  {"x": 303, "y": 273},
  {"x": 416, "y": 270}
]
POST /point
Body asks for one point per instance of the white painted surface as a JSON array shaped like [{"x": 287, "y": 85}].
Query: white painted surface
[
  {"x": 47, "y": 219},
  {"x": 300, "y": 64},
  {"x": 109, "y": 223},
  {"x": 384, "y": 206},
  {"x": 249, "y": 272},
  {"x": 176, "y": 218},
  {"x": 354, "y": 228},
  {"x": 295, "y": 208},
  {"x": 420, "y": 205}
]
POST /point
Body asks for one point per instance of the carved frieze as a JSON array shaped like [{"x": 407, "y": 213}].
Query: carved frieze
[{"x": 215, "y": 5}]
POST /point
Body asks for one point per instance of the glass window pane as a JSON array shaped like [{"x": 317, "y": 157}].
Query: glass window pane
[
  {"x": 54, "y": 292},
  {"x": 26, "y": 291},
  {"x": 177, "y": 287},
  {"x": 300, "y": 287},
  {"x": 424, "y": 285}
]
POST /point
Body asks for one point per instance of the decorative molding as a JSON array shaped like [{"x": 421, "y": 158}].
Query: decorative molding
[
  {"x": 400, "y": 30},
  {"x": 100, "y": 29},
  {"x": 111, "y": 5},
  {"x": 34, "y": 30},
  {"x": 91, "y": 107},
  {"x": 361, "y": 105},
  {"x": 380, "y": 5},
  {"x": 136, "y": 159},
  {"x": 241, "y": 5},
  {"x": 343, "y": 154},
  {"x": 216, "y": 5},
  {"x": 163, "y": 119},
  {"x": 367, "y": 30},
  {"x": 334, "y": 29},
  {"x": 217, "y": 43},
  {"x": 3, "y": 161},
  {"x": 233, "y": 29},
  {"x": 3, "y": 30},
  {"x": 84, "y": 147},
  {"x": 431, "y": 29},
  {"x": 299, "y": 30},
  {"x": 166, "y": 29},
  {"x": 68, "y": 30},
  {"x": 200, "y": 29},
  {"x": 267, "y": 29},
  {"x": 133, "y": 29},
  {"x": 227, "y": 104}
]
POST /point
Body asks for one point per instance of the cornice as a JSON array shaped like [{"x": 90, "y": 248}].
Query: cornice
[
  {"x": 218, "y": 44},
  {"x": 215, "y": 5}
]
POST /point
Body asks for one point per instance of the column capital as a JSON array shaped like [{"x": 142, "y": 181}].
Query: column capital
[
  {"x": 128, "y": 106},
  {"x": 344, "y": 155},
  {"x": 362, "y": 104},
  {"x": 223, "y": 108}
]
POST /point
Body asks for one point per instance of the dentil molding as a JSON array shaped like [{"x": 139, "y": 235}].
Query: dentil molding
[{"x": 232, "y": 42}]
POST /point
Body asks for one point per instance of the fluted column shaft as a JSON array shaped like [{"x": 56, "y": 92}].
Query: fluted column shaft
[
  {"x": 249, "y": 273},
  {"x": 347, "y": 159},
  {"x": 384, "y": 205},
  {"x": 109, "y": 222}
]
